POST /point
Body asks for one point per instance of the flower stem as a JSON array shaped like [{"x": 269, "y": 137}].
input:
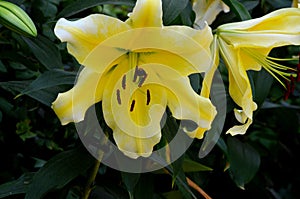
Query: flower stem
[{"x": 90, "y": 183}]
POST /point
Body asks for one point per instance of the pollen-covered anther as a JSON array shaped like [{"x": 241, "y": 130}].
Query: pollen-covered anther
[
  {"x": 124, "y": 82},
  {"x": 298, "y": 70},
  {"x": 132, "y": 105},
  {"x": 118, "y": 96},
  {"x": 148, "y": 97}
]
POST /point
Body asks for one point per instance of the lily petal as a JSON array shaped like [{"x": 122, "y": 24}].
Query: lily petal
[
  {"x": 146, "y": 13},
  {"x": 278, "y": 28},
  {"x": 239, "y": 85},
  {"x": 157, "y": 39},
  {"x": 72, "y": 105},
  {"x": 207, "y": 11},
  {"x": 134, "y": 147},
  {"x": 83, "y": 35}
]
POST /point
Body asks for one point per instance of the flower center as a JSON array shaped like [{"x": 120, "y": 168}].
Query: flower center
[{"x": 134, "y": 80}]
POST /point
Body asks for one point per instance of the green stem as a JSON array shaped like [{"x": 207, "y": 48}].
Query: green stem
[{"x": 89, "y": 185}]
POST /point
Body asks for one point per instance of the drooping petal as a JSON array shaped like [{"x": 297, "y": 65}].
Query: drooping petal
[
  {"x": 146, "y": 13},
  {"x": 207, "y": 11},
  {"x": 209, "y": 74},
  {"x": 183, "y": 102},
  {"x": 239, "y": 85},
  {"x": 72, "y": 105},
  {"x": 83, "y": 35},
  {"x": 278, "y": 28},
  {"x": 134, "y": 147}
]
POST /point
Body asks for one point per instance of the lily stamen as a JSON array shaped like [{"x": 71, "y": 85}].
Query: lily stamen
[
  {"x": 275, "y": 69},
  {"x": 132, "y": 105},
  {"x": 118, "y": 97},
  {"x": 124, "y": 82},
  {"x": 148, "y": 97}
]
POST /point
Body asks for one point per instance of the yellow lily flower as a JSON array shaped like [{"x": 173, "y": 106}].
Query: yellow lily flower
[
  {"x": 207, "y": 11},
  {"x": 245, "y": 46},
  {"x": 136, "y": 68}
]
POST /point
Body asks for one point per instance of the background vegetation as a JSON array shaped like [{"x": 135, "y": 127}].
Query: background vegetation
[{"x": 39, "y": 158}]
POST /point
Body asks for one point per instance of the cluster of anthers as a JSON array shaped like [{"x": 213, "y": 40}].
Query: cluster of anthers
[{"x": 290, "y": 83}]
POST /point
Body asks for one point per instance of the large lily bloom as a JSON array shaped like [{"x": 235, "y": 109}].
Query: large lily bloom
[
  {"x": 136, "y": 68},
  {"x": 207, "y": 11},
  {"x": 245, "y": 46}
]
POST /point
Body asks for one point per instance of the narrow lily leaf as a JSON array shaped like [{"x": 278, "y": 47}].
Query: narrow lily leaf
[
  {"x": 239, "y": 9},
  {"x": 130, "y": 180},
  {"x": 50, "y": 79},
  {"x": 172, "y": 8},
  {"x": 192, "y": 166},
  {"x": 59, "y": 171},
  {"x": 260, "y": 93},
  {"x": 16, "y": 19},
  {"x": 81, "y": 5},
  {"x": 19, "y": 186},
  {"x": 45, "y": 51},
  {"x": 218, "y": 98},
  {"x": 244, "y": 161}
]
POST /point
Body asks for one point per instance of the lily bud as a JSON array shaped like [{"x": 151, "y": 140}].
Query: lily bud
[{"x": 16, "y": 19}]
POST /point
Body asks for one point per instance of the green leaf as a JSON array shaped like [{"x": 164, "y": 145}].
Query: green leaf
[
  {"x": 19, "y": 186},
  {"x": 218, "y": 98},
  {"x": 260, "y": 92},
  {"x": 145, "y": 187},
  {"x": 244, "y": 161},
  {"x": 59, "y": 171},
  {"x": 130, "y": 180},
  {"x": 45, "y": 51},
  {"x": 239, "y": 9},
  {"x": 81, "y": 5},
  {"x": 192, "y": 166},
  {"x": 50, "y": 79},
  {"x": 172, "y": 8},
  {"x": 2, "y": 67}
]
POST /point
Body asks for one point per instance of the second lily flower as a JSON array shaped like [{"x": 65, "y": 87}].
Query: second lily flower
[{"x": 245, "y": 46}]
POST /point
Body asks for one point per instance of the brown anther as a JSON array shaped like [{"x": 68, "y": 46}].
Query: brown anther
[
  {"x": 288, "y": 90},
  {"x": 118, "y": 97},
  {"x": 142, "y": 80},
  {"x": 293, "y": 85},
  {"x": 298, "y": 70},
  {"x": 148, "y": 97},
  {"x": 124, "y": 82},
  {"x": 132, "y": 105}
]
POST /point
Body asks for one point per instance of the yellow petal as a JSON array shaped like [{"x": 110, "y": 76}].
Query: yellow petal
[
  {"x": 239, "y": 129},
  {"x": 275, "y": 29},
  {"x": 72, "y": 105},
  {"x": 134, "y": 109},
  {"x": 157, "y": 39},
  {"x": 134, "y": 147},
  {"x": 209, "y": 74},
  {"x": 146, "y": 13},
  {"x": 207, "y": 11},
  {"x": 239, "y": 85},
  {"x": 83, "y": 35}
]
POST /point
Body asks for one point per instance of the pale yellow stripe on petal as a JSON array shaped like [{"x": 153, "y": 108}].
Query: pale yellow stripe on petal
[
  {"x": 135, "y": 147},
  {"x": 146, "y": 13},
  {"x": 83, "y": 35},
  {"x": 72, "y": 105}
]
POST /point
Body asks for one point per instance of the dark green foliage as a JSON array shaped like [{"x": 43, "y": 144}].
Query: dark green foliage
[{"x": 42, "y": 159}]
